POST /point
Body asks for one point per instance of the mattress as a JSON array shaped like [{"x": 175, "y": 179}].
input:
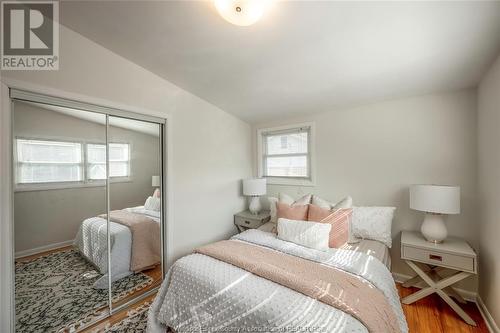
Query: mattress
[{"x": 367, "y": 246}]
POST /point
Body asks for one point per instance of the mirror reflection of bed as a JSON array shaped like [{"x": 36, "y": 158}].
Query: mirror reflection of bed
[{"x": 61, "y": 227}]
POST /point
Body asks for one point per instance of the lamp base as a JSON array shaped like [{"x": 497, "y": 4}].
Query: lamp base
[
  {"x": 433, "y": 228},
  {"x": 254, "y": 207}
]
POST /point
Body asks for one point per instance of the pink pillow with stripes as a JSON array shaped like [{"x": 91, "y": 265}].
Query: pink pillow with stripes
[{"x": 340, "y": 219}]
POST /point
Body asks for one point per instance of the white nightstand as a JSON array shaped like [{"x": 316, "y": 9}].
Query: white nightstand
[
  {"x": 245, "y": 220},
  {"x": 428, "y": 260}
]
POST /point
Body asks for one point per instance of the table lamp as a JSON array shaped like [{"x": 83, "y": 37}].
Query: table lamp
[
  {"x": 436, "y": 201},
  {"x": 254, "y": 188}
]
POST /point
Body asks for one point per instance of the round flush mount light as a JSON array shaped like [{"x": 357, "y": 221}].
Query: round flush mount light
[{"x": 241, "y": 12}]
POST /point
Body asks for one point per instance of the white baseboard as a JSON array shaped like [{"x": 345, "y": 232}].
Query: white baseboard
[
  {"x": 44, "y": 248},
  {"x": 466, "y": 294},
  {"x": 490, "y": 322}
]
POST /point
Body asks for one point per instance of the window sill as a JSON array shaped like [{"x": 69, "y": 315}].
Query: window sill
[
  {"x": 64, "y": 186},
  {"x": 290, "y": 181}
]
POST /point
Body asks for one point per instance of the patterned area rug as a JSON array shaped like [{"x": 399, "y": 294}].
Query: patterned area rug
[
  {"x": 55, "y": 292},
  {"x": 135, "y": 322}
]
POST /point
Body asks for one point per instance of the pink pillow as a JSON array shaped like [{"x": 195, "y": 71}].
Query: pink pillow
[
  {"x": 340, "y": 219},
  {"x": 156, "y": 193},
  {"x": 292, "y": 212}
]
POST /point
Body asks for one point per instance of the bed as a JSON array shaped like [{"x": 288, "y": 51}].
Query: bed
[
  {"x": 201, "y": 293},
  {"x": 91, "y": 241}
]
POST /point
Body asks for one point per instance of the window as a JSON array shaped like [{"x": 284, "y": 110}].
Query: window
[
  {"x": 285, "y": 155},
  {"x": 48, "y": 161},
  {"x": 119, "y": 161}
]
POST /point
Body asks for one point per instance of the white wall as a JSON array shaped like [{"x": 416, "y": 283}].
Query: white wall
[
  {"x": 211, "y": 149},
  {"x": 489, "y": 189},
  {"x": 374, "y": 152}
]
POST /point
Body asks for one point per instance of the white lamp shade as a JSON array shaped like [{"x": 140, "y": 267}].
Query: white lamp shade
[
  {"x": 155, "y": 181},
  {"x": 256, "y": 186},
  {"x": 435, "y": 198}
]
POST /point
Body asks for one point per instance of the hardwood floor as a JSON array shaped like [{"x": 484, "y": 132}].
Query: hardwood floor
[{"x": 433, "y": 315}]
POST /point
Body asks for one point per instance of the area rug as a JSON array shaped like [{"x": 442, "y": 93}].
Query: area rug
[
  {"x": 135, "y": 322},
  {"x": 55, "y": 293}
]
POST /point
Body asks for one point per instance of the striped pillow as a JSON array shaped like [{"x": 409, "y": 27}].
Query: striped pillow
[{"x": 340, "y": 219}]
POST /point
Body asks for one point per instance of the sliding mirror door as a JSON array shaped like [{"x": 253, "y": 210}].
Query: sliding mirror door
[
  {"x": 60, "y": 232},
  {"x": 134, "y": 150}
]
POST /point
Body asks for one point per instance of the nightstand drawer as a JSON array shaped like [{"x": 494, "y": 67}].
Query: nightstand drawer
[
  {"x": 438, "y": 258},
  {"x": 246, "y": 222}
]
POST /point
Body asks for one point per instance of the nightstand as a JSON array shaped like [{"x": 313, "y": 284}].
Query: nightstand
[
  {"x": 429, "y": 260},
  {"x": 245, "y": 220}
]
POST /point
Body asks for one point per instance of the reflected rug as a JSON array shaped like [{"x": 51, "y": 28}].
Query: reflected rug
[{"x": 55, "y": 293}]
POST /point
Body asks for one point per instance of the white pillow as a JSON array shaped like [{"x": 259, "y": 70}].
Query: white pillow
[
  {"x": 285, "y": 198},
  {"x": 373, "y": 223},
  {"x": 344, "y": 203},
  {"x": 309, "y": 234},
  {"x": 153, "y": 203}
]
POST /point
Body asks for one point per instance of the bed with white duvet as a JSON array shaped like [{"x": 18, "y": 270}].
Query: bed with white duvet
[
  {"x": 201, "y": 293},
  {"x": 91, "y": 241}
]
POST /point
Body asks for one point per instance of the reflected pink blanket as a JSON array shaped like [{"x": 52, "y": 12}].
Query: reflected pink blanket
[
  {"x": 146, "y": 247},
  {"x": 329, "y": 285}
]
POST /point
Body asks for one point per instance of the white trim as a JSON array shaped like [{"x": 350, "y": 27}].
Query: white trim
[
  {"x": 6, "y": 216},
  {"x": 488, "y": 318},
  {"x": 312, "y": 156},
  {"x": 7, "y": 314},
  {"x": 44, "y": 248},
  {"x": 466, "y": 294}
]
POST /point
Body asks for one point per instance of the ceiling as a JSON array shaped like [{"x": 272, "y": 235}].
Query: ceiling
[{"x": 302, "y": 56}]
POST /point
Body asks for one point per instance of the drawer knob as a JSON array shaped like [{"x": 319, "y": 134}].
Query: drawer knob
[
  {"x": 435, "y": 257},
  {"x": 247, "y": 222}
]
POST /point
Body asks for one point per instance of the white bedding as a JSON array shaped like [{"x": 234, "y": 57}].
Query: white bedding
[
  {"x": 91, "y": 241},
  {"x": 202, "y": 294}
]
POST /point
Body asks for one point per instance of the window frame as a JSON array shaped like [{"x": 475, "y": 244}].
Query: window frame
[
  {"x": 112, "y": 179},
  {"x": 85, "y": 182},
  {"x": 262, "y": 155}
]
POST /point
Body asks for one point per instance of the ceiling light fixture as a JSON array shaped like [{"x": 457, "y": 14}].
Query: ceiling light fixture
[{"x": 241, "y": 12}]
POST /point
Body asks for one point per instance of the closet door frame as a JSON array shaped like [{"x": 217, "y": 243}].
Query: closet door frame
[{"x": 14, "y": 89}]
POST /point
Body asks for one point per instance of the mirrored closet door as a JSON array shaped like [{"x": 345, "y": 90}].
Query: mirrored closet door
[
  {"x": 135, "y": 208},
  {"x": 88, "y": 211}
]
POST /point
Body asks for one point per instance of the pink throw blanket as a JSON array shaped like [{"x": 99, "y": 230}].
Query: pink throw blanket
[
  {"x": 329, "y": 285},
  {"x": 146, "y": 247}
]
